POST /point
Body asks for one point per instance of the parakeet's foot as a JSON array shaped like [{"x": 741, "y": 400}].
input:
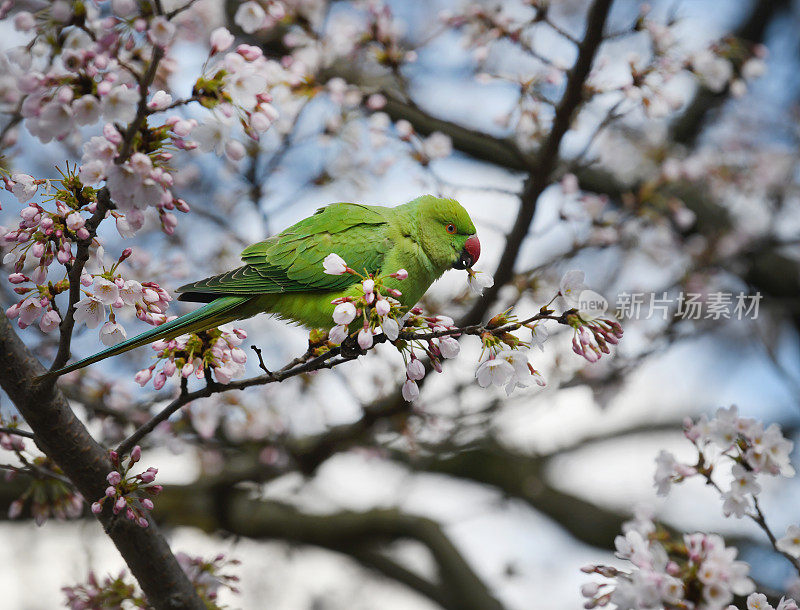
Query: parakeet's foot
[{"x": 351, "y": 349}]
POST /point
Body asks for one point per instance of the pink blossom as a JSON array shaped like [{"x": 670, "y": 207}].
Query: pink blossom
[
  {"x": 221, "y": 40},
  {"x": 161, "y": 31},
  {"x": 50, "y": 321},
  {"x": 143, "y": 376},
  {"x": 337, "y": 334}
]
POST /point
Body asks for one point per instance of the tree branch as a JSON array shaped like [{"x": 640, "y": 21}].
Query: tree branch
[{"x": 66, "y": 441}]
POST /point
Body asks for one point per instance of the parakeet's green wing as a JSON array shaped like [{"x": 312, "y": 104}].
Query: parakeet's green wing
[{"x": 292, "y": 260}]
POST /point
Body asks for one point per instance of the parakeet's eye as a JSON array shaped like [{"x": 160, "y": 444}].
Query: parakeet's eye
[{"x": 451, "y": 228}]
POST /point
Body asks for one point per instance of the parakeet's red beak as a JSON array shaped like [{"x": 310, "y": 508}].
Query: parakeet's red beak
[{"x": 470, "y": 254}]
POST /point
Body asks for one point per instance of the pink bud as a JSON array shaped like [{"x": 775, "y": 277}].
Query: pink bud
[
  {"x": 401, "y": 274},
  {"x": 114, "y": 478},
  {"x": 97, "y": 508},
  {"x": 15, "y": 509},
  {"x": 136, "y": 454},
  {"x": 143, "y": 376},
  {"x": 111, "y": 492},
  {"x": 143, "y": 522},
  {"x": 17, "y": 278},
  {"x": 148, "y": 503},
  {"x": 121, "y": 503}
]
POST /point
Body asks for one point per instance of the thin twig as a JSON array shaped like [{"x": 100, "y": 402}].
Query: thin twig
[
  {"x": 261, "y": 364},
  {"x": 17, "y": 431}
]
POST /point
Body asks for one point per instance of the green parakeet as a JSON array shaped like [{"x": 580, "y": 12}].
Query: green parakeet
[{"x": 284, "y": 275}]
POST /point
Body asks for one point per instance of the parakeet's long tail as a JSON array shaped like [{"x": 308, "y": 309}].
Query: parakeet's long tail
[{"x": 219, "y": 311}]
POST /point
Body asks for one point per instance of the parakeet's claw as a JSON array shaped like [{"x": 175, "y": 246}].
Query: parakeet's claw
[
  {"x": 470, "y": 254},
  {"x": 350, "y": 348}
]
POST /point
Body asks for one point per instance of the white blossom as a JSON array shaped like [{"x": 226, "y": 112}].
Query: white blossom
[
  {"x": 24, "y": 187},
  {"x": 497, "y": 371},
  {"x": 249, "y": 16},
  {"x": 90, "y": 311},
  {"x": 334, "y": 264},
  {"x": 790, "y": 543},
  {"x": 478, "y": 282},
  {"x": 344, "y": 313},
  {"x": 410, "y": 390},
  {"x": 571, "y": 286}
]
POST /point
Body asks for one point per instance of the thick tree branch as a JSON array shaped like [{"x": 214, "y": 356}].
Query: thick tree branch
[
  {"x": 358, "y": 535},
  {"x": 547, "y": 156},
  {"x": 66, "y": 441}
]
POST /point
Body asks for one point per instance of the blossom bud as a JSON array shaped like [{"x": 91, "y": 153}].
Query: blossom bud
[
  {"x": 143, "y": 376},
  {"x": 136, "y": 454},
  {"x": 365, "y": 338},
  {"x": 114, "y": 477},
  {"x": 415, "y": 369},
  {"x": 401, "y": 274},
  {"x": 17, "y": 278},
  {"x": 148, "y": 503},
  {"x": 15, "y": 509},
  {"x": 369, "y": 286},
  {"x": 97, "y": 508},
  {"x": 410, "y": 391},
  {"x": 143, "y": 522},
  {"x": 221, "y": 40},
  {"x": 382, "y": 307},
  {"x": 111, "y": 492}
]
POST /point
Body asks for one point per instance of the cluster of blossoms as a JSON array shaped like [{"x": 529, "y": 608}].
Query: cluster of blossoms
[
  {"x": 108, "y": 289},
  {"x": 696, "y": 571},
  {"x": 127, "y": 492},
  {"x": 507, "y": 364},
  {"x": 141, "y": 181},
  {"x": 111, "y": 592},
  {"x": 593, "y": 333},
  {"x": 235, "y": 86},
  {"x": 699, "y": 572},
  {"x": 216, "y": 350},
  {"x": 8, "y": 440},
  {"x": 752, "y": 449},
  {"x": 380, "y": 310},
  {"x": 377, "y": 305},
  {"x": 49, "y": 493},
  {"x": 207, "y": 576},
  {"x": 41, "y": 237}
]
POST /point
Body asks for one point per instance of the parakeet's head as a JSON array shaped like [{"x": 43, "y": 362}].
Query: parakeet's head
[{"x": 447, "y": 234}]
